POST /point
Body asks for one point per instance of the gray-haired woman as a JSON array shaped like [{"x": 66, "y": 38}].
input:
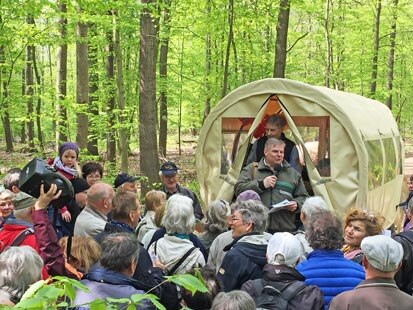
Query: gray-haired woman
[
  {"x": 20, "y": 266},
  {"x": 215, "y": 222},
  {"x": 245, "y": 258},
  {"x": 175, "y": 251}
]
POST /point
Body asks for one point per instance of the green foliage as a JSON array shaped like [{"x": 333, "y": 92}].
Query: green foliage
[{"x": 62, "y": 292}]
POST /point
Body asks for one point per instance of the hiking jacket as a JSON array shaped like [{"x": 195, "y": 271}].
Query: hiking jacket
[
  {"x": 404, "y": 276},
  {"x": 104, "y": 283},
  {"x": 170, "y": 249},
  {"x": 331, "y": 272},
  {"x": 244, "y": 261},
  {"x": 310, "y": 298},
  {"x": 376, "y": 293},
  {"x": 43, "y": 240},
  {"x": 90, "y": 222},
  {"x": 289, "y": 186},
  {"x": 145, "y": 225}
]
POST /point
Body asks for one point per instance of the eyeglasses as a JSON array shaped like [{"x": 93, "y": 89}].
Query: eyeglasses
[{"x": 94, "y": 176}]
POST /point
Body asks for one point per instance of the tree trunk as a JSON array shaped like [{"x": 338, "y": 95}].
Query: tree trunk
[
  {"x": 82, "y": 84},
  {"x": 122, "y": 119},
  {"x": 38, "y": 104},
  {"x": 30, "y": 89},
  {"x": 110, "y": 73},
  {"x": 227, "y": 54},
  {"x": 163, "y": 74},
  {"x": 61, "y": 76},
  {"x": 5, "y": 116},
  {"x": 149, "y": 163},
  {"x": 376, "y": 30},
  {"x": 329, "y": 45},
  {"x": 23, "y": 137},
  {"x": 390, "y": 60},
  {"x": 281, "y": 39},
  {"x": 207, "y": 108},
  {"x": 92, "y": 143}
]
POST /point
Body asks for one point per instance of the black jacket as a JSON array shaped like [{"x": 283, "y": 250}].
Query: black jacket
[
  {"x": 244, "y": 261},
  {"x": 310, "y": 297}
]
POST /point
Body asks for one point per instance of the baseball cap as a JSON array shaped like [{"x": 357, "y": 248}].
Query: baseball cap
[
  {"x": 382, "y": 252},
  {"x": 123, "y": 178},
  {"x": 284, "y": 249},
  {"x": 169, "y": 168},
  {"x": 23, "y": 201}
]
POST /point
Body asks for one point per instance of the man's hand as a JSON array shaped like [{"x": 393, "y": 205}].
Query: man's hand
[
  {"x": 270, "y": 181},
  {"x": 45, "y": 198},
  {"x": 293, "y": 206}
]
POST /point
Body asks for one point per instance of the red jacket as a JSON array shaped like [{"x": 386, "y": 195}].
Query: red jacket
[{"x": 44, "y": 241}]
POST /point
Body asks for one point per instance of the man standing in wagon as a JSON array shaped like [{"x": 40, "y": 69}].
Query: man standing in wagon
[{"x": 279, "y": 185}]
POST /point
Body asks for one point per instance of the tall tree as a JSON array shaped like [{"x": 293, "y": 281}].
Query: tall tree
[
  {"x": 228, "y": 49},
  {"x": 149, "y": 163},
  {"x": 110, "y": 73},
  {"x": 374, "y": 63},
  {"x": 390, "y": 59},
  {"x": 30, "y": 87},
  {"x": 208, "y": 60},
  {"x": 281, "y": 39},
  {"x": 82, "y": 83},
  {"x": 61, "y": 76},
  {"x": 123, "y": 139},
  {"x": 329, "y": 45},
  {"x": 163, "y": 75},
  {"x": 92, "y": 143},
  {"x": 5, "y": 115}
]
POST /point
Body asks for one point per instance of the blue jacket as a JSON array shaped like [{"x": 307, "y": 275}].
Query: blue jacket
[
  {"x": 244, "y": 261},
  {"x": 105, "y": 283},
  {"x": 331, "y": 272}
]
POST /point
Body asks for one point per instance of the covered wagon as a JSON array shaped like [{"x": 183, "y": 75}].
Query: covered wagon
[{"x": 351, "y": 148}]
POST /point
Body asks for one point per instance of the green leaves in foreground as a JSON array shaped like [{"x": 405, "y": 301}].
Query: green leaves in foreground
[
  {"x": 189, "y": 282},
  {"x": 62, "y": 291}
]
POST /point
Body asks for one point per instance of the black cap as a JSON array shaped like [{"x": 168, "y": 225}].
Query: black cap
[
  {"x": 80, "y": 185},
  {"x": 169, "y": 168},
  {"x": 123, "y": 178}
]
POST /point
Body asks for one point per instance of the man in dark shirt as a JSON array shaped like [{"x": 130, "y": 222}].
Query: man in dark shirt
[{"x": 169, "y": 178}]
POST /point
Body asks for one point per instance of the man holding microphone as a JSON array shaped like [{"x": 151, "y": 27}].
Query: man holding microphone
[{"x": 275, "y": 180}]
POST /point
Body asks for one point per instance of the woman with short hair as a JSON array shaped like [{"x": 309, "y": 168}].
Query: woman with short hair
[
  {"x": 326, "y": 267},
  {"x": 215, "y": 221},
  {"x": 245, "y": 258},
  {"x": 175, "y": 252},
  {"x": 358, "y": 225},
  {"x": 20, "y": 266}
]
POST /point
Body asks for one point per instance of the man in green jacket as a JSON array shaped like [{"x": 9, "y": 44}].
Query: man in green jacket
[{"x": 275, "y": 180}]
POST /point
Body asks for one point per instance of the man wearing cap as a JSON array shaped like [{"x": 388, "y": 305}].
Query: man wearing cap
[
  {"x": 94, "y": 217},
  {"x": 169, "y": 177},
  {"x": 382, "y": 258},
  {"x": 33, "y": 228},
  {"x": 125, "y": 183}
]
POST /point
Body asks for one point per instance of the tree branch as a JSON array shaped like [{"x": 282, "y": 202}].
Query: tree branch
[{"x": 296, "y": 41}]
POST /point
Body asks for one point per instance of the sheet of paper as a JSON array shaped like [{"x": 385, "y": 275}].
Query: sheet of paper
[{"x": 280, "y": 206}]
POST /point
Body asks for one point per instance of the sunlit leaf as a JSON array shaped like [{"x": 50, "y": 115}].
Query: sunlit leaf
[{"x": 189, "y": 282}]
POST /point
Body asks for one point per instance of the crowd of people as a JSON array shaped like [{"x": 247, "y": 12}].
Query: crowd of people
[{"x": 249, "y": 256}]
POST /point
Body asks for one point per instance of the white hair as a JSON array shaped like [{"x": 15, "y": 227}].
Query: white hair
[
  {"x": 20, "y": 266},
  {"x": 313, "y": 204},
  {"x": 179, "y": 215}
]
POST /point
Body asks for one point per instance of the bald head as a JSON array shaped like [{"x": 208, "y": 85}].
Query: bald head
[{"x": 100, "y": 197}]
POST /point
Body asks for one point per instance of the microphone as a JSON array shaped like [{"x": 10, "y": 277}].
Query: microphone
[{"x": 277, "y": 169}]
